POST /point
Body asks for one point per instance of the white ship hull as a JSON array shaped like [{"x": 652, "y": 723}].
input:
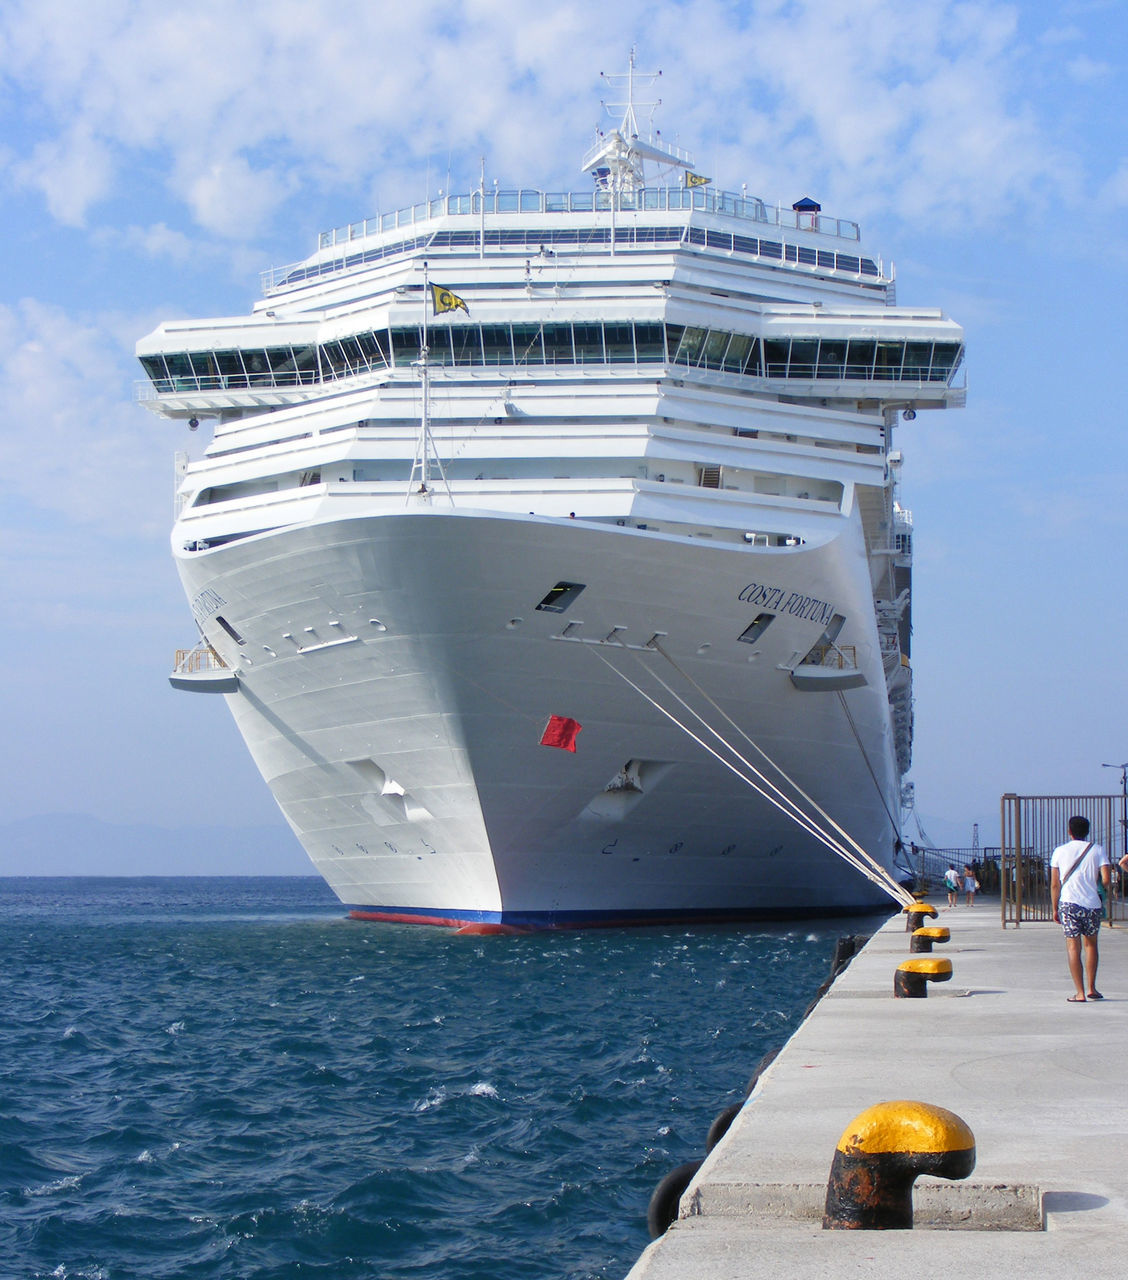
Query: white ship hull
[
  {"x": 395, "y": 678},
  {"x": 613, "y": 470}
]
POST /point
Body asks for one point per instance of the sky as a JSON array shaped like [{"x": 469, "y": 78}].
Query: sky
[{"x": 156, "y": 157}]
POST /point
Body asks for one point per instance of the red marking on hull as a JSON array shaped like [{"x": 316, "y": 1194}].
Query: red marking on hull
[{"x": 483, "y": 929}]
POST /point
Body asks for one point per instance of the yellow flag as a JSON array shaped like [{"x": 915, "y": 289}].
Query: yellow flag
[
  {"x": 696, "y": 179},
  {"x": 444, "y": 300}
]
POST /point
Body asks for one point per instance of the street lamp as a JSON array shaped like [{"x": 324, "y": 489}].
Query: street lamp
[{"x": 1124, "y": 791}]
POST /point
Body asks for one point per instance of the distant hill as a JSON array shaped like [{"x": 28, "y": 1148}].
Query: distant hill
[{"x": 68, "y": 844}]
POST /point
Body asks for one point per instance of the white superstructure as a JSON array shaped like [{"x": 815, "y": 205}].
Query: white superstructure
[{"x": 624, "y": 459}]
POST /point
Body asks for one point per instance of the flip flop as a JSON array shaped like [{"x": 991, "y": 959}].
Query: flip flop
[
  {"x": 1094, "y": 995},
  {"x": 1075, "y": 999}
]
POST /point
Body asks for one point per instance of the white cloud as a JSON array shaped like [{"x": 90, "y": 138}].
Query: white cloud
[
  {"x": 921, "y": 105},
  {"x": 1086, "y": 70},
  {"x": 70, "y": 443},
  {"x": 72, "y": 172},
  {"x": 1116, "y": 189},
  {"x": 230, "y": 198}
]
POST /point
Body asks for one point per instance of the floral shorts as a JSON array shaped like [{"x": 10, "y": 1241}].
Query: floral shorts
[{"x": 1080, "y": 921}]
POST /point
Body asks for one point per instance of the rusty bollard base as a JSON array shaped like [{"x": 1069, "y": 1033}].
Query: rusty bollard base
[
  {"x": 881, "y": 1154},
  {"x": 922, "y": 939},
  {"x": 912, "y": 976},
  {"x": 916, "y": 913}
]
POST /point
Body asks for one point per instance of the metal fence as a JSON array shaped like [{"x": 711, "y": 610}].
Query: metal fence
[
  {"x": 930, "y": 864},
  {"x": 1032, "y": 828}
]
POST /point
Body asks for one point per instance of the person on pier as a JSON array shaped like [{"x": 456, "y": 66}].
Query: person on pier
[{"x": 1077, "y": 869}]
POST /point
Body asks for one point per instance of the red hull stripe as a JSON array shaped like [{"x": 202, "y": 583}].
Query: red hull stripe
[{"x": 493, "y": 922}]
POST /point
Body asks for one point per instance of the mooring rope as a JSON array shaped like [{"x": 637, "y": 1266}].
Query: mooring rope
[
  {"x": 884, "y": 877},
  {"x": 861, "y": 861},
  {"x": 877, "y": 785},
  {"x": 784, "y": 804},
  {"x": 867, "y": 858}
]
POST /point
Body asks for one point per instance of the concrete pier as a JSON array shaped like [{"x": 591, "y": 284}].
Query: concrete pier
[{"x": 1042, "y": 1083}]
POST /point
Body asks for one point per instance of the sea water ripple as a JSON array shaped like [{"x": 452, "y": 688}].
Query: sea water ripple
[{"x": 225, "y": 1079}]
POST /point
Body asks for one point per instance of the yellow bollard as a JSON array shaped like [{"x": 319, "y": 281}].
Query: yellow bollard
[
  {"x": 879, "y": 1157},
  {"x": 917, "y": 913},
  {"x": 909, "y": 982},
  {"x": 923, "y": 939}
]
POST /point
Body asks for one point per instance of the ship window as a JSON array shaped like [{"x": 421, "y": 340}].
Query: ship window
[
  {"x": 754, "y": 366},
  {"x": 406, "y": 344},
  {"x": 370, "y": 345},
  {"x": 353, "y": 355},
  {"x": 230, "y": 630},
  {"x": 589, "y": 343},
  {"x": 945, "y": 360},
  {"x": 257, "y": 367},
  {"x": 334, "y": 357},
  {"x": 804, "y": 355},
  {"x": 155, "y": 367},
  {"x": 889, "y": 361},
  {"x": 203, "y": 364},
  {"x": 620, "y": 343},
  {"x": 230, "y": 365},
  {"x": 756, "y": 628},
  {"x": 713, "y": 349},
  {"x": 561, "y": 597},
  {"x": 775, "y": 357},
  {"x": 558, "y": 344},
  {"x": 807, "y": 255},
  {"x": 648, "y": 341},
  {"x": 527, "y": 344},
  {"x": 918, "y": 357},
  {"x": 832, "y": 358},
  {"x": 689, "y": 349},
  {"x": 497, "y": 344},
  {"x": 466, "y": 343},
  {"x": 859, "y": 359},
  {"x": 737, "y": 354}
]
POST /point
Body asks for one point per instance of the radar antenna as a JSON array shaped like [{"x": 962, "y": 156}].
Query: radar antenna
[{"x": 616, "y": 160}]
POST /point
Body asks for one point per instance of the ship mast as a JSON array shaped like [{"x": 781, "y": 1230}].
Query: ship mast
[
  {"x": 426, "y": 455},
  {"x": 617, "y": 159}
]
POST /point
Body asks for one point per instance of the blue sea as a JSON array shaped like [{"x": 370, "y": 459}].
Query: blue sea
[{"x": 226, "y": 1078}]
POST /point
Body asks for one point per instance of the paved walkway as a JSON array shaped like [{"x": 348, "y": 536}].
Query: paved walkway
[{"x": 1043, "y": 1085}]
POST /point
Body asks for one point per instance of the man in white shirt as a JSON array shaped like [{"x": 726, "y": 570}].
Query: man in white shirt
[{"x": 1076, "y": 869}]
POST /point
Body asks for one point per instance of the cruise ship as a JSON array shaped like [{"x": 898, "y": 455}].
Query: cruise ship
[{"x": 548, "y": 548}]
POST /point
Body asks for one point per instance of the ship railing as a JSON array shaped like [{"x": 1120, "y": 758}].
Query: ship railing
[
  {"x": 833, "y": 371},
  {"x": 832, "y": 656},
  {"x": 533, "y": 201},
  {"x": 197, "y": 660}
]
